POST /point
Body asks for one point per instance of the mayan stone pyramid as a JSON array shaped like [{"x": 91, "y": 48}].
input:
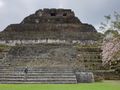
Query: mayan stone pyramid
[
  {"x": 55, "y": 24},
  {"x": 54, "y": 45}
]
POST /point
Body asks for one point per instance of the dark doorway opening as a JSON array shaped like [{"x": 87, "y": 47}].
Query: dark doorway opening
[
  {"x": 64, "y": 14},
  {"x": 53, "y": 14}
]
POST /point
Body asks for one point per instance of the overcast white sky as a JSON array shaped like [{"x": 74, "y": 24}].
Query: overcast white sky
[{"x": 88, "y": 11}]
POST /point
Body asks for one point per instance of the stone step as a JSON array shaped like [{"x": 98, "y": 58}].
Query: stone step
[
  {"x": 2, "y": 65},
  {"x": 39, "y": 82},
  {"x": 14, "y": 76},
  {"x": 36, "y": 69},
  {"x": 13, "y": 79},
  {"x": 38, "y": 76},
  {"x": 54, "y": 73},
  {"x": 8, "y": 71},
  {"x": 42, "y": 68},
  {"x": 34, "y": 72},
  {"x": 33, "y": 68}
]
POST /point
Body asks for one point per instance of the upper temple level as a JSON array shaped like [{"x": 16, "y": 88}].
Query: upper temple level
[
  {"x": 52, "y": 24},
  {"x": 52, "y": 16}
]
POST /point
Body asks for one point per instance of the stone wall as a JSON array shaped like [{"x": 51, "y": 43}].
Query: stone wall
[
  {"x": 49, "y": 31},
  {"x": 50, "y": 24},
  {"x": 55, "y": 55},
  {"x": 55, "y": 12},
  {"x": 52, "y": 16},
  {"x": 49, "y": 38},
  {"x": 45, "y": 41},
  {"x": 91, "y": 57}
]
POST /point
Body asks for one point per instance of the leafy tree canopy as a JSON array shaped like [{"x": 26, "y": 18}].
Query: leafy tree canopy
[{"x": 112, "y": 23}]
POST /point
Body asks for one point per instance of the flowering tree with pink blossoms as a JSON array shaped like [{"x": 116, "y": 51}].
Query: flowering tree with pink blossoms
[{"x": 111, "y": 45}]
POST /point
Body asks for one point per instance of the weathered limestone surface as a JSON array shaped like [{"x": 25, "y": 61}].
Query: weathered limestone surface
[
  {"x": 51, "y": 31},
  {"x": 52, "y": 16},
  {"x": 50, "y": 24},
  {"x": 52, "y": 38}
]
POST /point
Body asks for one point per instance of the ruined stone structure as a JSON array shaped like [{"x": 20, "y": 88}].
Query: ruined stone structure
[
  {"x": 53, "y": 24},
  {"x": 54, "y": 45}
]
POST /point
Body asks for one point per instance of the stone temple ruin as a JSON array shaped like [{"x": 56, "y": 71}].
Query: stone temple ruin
[{"x": 54, "y": 46}]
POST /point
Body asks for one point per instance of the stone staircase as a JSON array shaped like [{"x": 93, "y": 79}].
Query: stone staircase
[{"x": 37, "y": 75}]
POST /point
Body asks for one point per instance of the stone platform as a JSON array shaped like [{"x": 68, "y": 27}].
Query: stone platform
[
  {"x": 38, "y": 75},
  {"x": 44, "y": 76},
  {"x": 55, "y": 39}
]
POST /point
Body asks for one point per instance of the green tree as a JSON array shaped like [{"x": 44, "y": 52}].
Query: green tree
[{"x": 112, "y": 23}]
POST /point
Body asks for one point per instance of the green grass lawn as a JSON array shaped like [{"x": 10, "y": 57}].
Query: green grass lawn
[{"x": 106, "y": 85}]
